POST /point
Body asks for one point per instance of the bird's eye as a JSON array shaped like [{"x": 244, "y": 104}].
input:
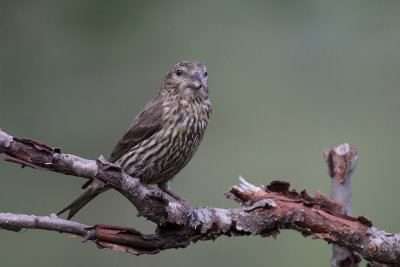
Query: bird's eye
[
  {"x": 178, "y": 72},
  {"x": 206, "y": 73}
]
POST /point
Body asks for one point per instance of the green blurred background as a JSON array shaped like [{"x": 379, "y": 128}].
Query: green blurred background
[{"x": 286, "y": 79}]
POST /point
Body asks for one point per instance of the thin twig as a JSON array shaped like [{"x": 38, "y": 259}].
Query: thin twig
[{"x": 342, "y": 161}]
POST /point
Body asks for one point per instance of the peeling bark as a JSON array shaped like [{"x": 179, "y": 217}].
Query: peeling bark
[{"x": 265, "y": 210}]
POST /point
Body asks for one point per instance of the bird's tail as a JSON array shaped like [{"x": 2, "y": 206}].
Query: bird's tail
[{"x": 91, "y": 190}]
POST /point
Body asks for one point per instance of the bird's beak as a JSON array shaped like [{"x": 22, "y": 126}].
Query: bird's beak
[{"x": 199, "y": 81}]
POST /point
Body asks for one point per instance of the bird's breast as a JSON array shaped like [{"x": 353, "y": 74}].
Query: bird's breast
[{"x": 163, "y": 155}]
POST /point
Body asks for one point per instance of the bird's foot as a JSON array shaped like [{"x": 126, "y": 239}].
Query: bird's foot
[
  {"x": 184, "y": 203},
  {"x": 164, "y": 187}
]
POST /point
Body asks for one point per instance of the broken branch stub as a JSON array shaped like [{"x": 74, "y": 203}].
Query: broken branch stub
[{"x": 341, "y": 161}]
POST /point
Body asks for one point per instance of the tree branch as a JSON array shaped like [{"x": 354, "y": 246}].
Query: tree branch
[
  {"x": 264, "y": 211},
  {"x": 342, "y": 161}
]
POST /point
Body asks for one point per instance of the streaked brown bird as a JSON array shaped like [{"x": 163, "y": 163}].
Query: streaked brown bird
[{"x": 164, "y": 136}]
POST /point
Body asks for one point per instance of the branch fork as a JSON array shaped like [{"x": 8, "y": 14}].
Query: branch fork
[{"x": 264, "y": 211}]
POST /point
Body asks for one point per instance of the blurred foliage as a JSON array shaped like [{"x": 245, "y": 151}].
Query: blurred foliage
[{"x": 286, "y": 78}]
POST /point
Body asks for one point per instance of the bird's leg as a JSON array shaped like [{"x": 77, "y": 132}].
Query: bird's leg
[{"x": 164, "y": 186}]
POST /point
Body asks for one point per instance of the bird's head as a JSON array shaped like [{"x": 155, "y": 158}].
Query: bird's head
[{"x": 187, "y": 78}]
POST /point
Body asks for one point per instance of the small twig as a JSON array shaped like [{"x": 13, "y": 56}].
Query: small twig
[
  {"x": 342, "y": 161},
  {"x": 15, "y": 222}
]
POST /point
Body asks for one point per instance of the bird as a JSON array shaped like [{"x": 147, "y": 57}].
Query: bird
[{"x": 163, "y": 137}]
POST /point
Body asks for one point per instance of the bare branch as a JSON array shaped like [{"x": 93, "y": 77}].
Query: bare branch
[
  {"x": 15, "y": 222},
  {"x": 264, "y": 211},
  {"x": 342, "y": 161},
  {"x": 114, "y": 237}
]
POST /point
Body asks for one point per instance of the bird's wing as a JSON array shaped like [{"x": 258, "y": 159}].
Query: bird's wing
[{"x": 148, "y": 122}]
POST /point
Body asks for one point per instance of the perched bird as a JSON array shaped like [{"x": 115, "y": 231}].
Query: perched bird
[{"x": 164, "y": 136}]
